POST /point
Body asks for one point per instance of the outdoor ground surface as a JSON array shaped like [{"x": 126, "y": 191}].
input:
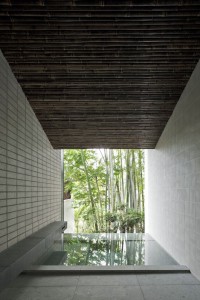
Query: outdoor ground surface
[{"x": 102, "y": 287}]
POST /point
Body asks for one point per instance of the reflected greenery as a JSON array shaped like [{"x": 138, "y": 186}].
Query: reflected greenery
[{"x": 90, "y": 250}]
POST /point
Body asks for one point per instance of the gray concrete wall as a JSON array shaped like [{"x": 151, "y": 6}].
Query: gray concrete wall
[
  {"x": 173, "y": 213},
  {"x": 30, "y": 176}
]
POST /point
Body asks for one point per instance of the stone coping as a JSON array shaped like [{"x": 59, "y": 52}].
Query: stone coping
[
  {"x": 19, "y": 256},
  {"x": 107, "y": 269},
  {"x": 115, "y": 236}
]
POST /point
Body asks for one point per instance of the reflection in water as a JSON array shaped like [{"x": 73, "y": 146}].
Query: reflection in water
[
  {"x": 88, "y": 250},
  {"x": 106, "y": 249}
]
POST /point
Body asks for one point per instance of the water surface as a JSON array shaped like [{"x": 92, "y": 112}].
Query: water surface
[{"x": 108, "y": 250}]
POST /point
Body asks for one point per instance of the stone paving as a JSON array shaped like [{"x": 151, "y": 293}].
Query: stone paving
[{"x": 101, "y": 287}]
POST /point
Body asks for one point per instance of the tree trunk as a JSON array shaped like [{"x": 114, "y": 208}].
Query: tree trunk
[{"x": 90, "y": 191}]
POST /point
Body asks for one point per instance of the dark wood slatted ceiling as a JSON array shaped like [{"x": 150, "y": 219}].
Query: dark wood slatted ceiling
[{"x": 101, "y": 73}]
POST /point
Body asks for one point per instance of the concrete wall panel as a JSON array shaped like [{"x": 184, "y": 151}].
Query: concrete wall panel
[{"x": 173, "y": 214}]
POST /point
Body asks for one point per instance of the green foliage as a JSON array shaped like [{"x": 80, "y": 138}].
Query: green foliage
[
  {"x": 121, "y": 207},
  {"x": 107, "y": 186},
  {"x": 124, "y": 219},
  {"x": 111, "y": 217},
  {"x": 133, "y": 218}
]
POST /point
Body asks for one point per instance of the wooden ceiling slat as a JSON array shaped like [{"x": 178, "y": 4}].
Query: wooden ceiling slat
[{"x": 101, "y": 73}]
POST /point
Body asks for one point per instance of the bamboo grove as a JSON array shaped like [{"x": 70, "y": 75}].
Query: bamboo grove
[{"x": 107, "y": 187}]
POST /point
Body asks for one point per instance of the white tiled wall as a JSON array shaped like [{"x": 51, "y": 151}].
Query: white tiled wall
[
  {"x": 173, "y": 215},
  {"x": 30, "y": 174}
]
